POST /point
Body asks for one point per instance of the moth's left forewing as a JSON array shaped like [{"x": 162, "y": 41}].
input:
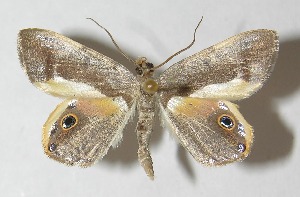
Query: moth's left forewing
[
  {"x": 62, "y": 67},
  {"x": 194, "y": 95}
]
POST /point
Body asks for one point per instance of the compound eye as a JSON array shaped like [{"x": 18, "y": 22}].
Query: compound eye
[
  {"x": 226, "y": 122},
  {"x": 69, "y": 121}
]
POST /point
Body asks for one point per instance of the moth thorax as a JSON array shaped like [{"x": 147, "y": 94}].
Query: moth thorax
[{"x": 150, "y": 86}]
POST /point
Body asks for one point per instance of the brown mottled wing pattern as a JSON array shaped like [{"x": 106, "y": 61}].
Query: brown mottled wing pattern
[
  {"x": 93, "y": 126},
  {"x": 193, "y": 97},
  {"x": 238, "y": 66},
  {"x": 195, "y": 92},
  {"x": 100, "y": 95},
  {"x": 65, "y": 68},
  {"x": 213, "y": 131}
]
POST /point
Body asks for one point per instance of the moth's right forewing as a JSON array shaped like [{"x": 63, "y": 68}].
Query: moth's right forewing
[{"x": 65, "y": 68}]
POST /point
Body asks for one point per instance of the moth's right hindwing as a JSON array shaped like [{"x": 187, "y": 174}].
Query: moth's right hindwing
[{"x": 213, "y": 131}]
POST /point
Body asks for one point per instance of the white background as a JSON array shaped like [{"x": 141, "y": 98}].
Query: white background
[{"x": 154, "y": 29}]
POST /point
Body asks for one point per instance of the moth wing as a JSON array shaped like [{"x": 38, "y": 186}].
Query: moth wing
[
  {"x": 231, "y": 70},
  {"x": 194, "y": 95},
  {"x": 65, "y": 68},
  {"x": 212, "y": 131},
  {"x": 81, "y": 131}
]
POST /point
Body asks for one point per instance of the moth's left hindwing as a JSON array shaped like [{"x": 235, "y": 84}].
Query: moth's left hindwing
[
  {"x": 80, "y": 131},
  {"x": 194, "y": 95},
  {"x": 100, "y": 95}
]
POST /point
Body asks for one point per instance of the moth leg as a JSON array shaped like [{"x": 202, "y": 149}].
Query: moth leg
[{"x": 144, "y": 130}]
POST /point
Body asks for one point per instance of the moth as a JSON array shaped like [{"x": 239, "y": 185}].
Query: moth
[{"x": 193, "y": 97}]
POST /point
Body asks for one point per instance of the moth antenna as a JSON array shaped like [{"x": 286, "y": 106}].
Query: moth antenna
[
  {"x": 186, "y": 48},
  {"x": 113, "y": 40}
]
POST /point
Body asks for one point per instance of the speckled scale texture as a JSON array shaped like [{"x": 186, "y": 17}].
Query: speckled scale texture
[
  {"x": 194, "y": 97},
  {"x": 249, "y": 56},
  {"x": 46, "y": 55}
]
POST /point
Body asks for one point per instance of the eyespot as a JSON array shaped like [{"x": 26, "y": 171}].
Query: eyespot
[
  {"x": 69, "y": 121},
  {"x": 226, "y": 122},
  {"x": 52, "y": 147},
  {"x": 241, "y": 147}
]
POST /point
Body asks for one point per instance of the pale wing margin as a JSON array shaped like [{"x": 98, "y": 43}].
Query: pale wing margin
[
  {"x": 233, "y": 69},
  {"x": 65, "y": 68}
]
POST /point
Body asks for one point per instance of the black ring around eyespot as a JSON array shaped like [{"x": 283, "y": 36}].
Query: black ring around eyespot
[
  {"x": 226, "y": 122},
  {"x": 69, "y": 121}
]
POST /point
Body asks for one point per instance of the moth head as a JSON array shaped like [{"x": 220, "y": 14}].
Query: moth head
[{"x": 143, "y": 67}]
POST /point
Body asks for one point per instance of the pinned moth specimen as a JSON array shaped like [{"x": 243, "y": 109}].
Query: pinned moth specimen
[{"x": 194, "y": 96}]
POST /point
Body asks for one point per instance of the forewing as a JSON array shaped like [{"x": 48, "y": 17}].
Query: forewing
[
  {"x": 213, "y": 131},
  {"x": 231, "y": 70},
  {"x": 80, "y": 131},
  {"x": 65, "y": 68}
]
